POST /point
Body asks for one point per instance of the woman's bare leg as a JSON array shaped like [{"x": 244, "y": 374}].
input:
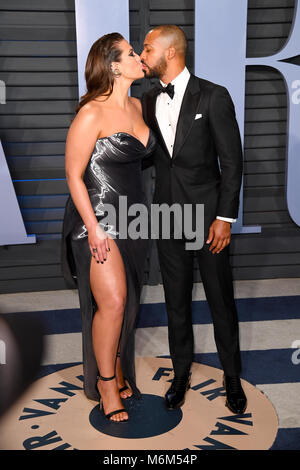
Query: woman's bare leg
[
  {"x": 108, "y": 285},
  {"x": 120, "y": 379}
]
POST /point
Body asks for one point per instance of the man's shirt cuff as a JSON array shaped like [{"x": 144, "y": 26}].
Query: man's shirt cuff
[{"x": 226, "y": 219}]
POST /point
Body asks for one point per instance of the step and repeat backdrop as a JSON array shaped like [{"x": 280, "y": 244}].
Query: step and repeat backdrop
[{"x": 251, "y": 47}]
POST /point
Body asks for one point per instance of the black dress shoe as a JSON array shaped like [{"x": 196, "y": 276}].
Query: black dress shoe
[
  {"x": 175, "y": 396},
  {"x": 236, "y": 399}
]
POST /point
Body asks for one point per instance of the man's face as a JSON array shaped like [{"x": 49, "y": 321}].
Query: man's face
[{"x": 153, "y": 56}]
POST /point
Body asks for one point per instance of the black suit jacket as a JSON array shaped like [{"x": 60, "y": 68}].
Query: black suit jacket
[{"x": 193, "y": 174}]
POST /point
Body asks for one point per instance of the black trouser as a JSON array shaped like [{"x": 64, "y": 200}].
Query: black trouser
[{"x": 176, "y": 264}]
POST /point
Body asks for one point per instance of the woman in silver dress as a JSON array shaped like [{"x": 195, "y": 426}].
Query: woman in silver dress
[{"x": 106, "y": 143}]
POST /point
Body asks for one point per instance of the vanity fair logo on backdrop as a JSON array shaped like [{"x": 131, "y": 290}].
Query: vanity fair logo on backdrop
[
  {"x": 220, "y": 56},
  {"x": 13, "y": 231}
]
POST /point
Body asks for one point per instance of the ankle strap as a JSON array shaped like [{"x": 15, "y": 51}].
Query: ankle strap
[{"x": 100, "y": 377}]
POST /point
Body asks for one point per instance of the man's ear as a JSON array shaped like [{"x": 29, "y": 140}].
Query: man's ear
[{"x": 171, "y": 52}]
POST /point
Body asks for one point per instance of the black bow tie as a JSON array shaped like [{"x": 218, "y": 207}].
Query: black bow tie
[{"x": 165, "y": 89}]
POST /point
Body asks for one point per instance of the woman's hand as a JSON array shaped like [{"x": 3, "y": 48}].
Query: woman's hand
[{"x": 98, "y": 243}]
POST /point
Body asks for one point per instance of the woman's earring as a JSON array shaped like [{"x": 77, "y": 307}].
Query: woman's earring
[{"x": 116, "y": 73}]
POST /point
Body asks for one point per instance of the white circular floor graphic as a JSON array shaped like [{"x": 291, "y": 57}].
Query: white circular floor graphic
[{"x": 55, "y": 414}]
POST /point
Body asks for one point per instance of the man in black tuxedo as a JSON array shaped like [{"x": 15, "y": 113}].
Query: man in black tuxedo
[{"x": 198, "y": 161}]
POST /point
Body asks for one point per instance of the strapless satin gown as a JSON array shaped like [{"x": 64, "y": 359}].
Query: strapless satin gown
[{"x": 114, "y": 169}]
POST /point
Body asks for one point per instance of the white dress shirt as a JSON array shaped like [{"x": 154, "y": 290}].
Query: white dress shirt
[{"x": 167, "y": 113}]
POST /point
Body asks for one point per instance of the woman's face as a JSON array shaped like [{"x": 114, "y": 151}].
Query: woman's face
[{"x": 130, "y": 64}]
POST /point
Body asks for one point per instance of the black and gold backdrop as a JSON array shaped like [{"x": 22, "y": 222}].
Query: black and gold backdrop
[{"x": 39, "y": 67}]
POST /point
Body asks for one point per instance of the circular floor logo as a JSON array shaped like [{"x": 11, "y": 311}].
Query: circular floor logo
[{"x": 55, "y": 414}]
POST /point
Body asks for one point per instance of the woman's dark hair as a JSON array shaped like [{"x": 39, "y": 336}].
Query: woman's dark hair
[{"x": 98, "y": 75}]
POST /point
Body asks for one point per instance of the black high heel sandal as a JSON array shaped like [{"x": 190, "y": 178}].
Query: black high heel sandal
[
  {"x": 122, "y": 389},
  {"x": 115, "y": 412}
]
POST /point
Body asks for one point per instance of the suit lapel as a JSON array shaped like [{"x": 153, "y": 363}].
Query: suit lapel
[
  {"x": 187, "y": 113},
  {"x": 186, "y": 117}
]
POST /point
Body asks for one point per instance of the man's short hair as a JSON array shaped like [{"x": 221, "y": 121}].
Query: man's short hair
[{"x": 176, "y": 36}]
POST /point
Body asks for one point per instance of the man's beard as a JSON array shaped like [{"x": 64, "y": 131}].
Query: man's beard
[{"x": 158, "y": 70}]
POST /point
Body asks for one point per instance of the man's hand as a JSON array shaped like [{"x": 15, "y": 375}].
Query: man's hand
[{"x": 219, "y": 235}]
